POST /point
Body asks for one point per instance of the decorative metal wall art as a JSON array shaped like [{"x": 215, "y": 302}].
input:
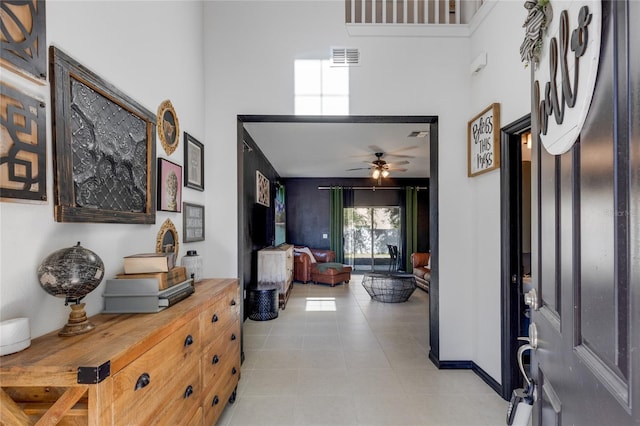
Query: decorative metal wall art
[
  {"x": 167, "y": 239},
  {"x": 23, "y": 153},
  {"x": 193, "y": 163},
  {"x": 23, "y": 44},
  {"x": 169, "y": 186},
  {"x": 168, "y": 127},
  {"x": 104, "y": 149},
  {"x": 262, "y": 189}
]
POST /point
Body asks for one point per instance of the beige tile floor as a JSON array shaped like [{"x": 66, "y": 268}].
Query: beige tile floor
[{"x": 335, "y": 357}]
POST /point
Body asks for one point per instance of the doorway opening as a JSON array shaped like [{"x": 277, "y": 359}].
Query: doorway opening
[{"x": 515, "y": 211}]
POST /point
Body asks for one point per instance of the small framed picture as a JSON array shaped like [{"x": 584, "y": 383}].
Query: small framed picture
[
  {"x": 193, "y": 163},
  {"x": 169, "y": 186},
  {"x": 192, "y": 222},
  {"x": 168, "y": 127},
  {"x": 262, "y": 189}
]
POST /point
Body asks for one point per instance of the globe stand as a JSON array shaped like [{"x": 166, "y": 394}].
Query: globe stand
[{"x": 78, "y": 322}]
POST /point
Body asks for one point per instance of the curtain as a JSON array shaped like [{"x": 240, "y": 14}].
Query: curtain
[
  {"x": 349, "y": 235},
  {"x": 411, "y": 224},
  {"x": 336, "y": 222}
]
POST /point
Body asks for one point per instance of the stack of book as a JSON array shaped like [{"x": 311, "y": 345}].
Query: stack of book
[{"x": 150, "y": 283}]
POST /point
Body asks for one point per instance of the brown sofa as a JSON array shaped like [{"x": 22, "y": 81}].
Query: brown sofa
[
  {"x": 305, "y": 270},
  {"x": 421, "y": 272}
]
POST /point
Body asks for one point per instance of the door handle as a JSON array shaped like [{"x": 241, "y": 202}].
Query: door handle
[
  {"x": 531, "y": 299},
  {"x": 532, "y": 344}
]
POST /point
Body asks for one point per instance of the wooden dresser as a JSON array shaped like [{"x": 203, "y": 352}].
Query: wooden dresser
[
  {"x": 178, "y": 366},
  {"x": 275, "y": 269}
]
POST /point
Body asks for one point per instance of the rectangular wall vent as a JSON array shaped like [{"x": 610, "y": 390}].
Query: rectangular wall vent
[{"x": 344, "y": 57}]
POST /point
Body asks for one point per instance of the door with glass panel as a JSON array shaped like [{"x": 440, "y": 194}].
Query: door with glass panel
[{"x": 369, "y": 232}]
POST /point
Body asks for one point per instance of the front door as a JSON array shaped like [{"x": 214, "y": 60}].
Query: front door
[{"x": 586, "y": 240}]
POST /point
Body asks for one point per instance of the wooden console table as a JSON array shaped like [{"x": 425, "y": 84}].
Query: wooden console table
[{"x": 178, "y": 366}]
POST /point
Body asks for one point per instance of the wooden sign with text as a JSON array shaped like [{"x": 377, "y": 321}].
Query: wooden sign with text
[{"x": 483, "y": 151}]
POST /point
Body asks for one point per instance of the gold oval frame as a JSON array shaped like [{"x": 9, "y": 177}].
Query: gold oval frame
[
  {"x": 167, "y": 228},
  {"x": 168, "y": 127}
]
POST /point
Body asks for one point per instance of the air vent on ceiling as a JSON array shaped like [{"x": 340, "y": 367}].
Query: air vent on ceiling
[{"x": 344, "y": 57}]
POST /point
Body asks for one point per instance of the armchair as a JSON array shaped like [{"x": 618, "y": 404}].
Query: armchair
[{"x": 421, "y": 264}]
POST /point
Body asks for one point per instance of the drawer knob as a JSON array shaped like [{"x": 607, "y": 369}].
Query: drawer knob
[
  {"x": 143, "y": 381},
  {"x": 233, "y": 302},
  {"x": 233, "y": 337},
  {"x": 215, "y": 359},
  {"x": 215, "y": 400},
  {"x": 214, "y": 318},
  {"x": 233, "y": 371},
  {"x": 188, "y": 392},
  {"x": 188, "y": 341}
]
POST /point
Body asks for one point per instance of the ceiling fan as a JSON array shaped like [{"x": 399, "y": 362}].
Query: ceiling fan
[{"x": 380, "y": 168}]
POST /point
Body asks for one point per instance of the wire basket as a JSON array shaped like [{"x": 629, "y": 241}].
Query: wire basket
[{"x": 389, "y": 287}]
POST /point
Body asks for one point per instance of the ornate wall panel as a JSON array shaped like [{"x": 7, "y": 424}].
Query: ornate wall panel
[
  {"x": 23, "y": 36},
  {"x": 104, "y": 148},
  {"x": 22, "y": 146}
]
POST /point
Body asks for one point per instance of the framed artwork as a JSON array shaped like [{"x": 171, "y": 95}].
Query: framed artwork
[
  {"x": 192, "y": 222},
  {"x": 104, "y": 148},
  {"x": 483, "y": 134},
  {"x": 23, "y": 46},
  {"x": 167, "y": 240},
  {"x": 23, "y": 150},
  {"x": 169, "y": 186},
  {"x": 262, "y": 189},
  {"x": 168, "y": 127},
  {"x": 193, "y": 163}
]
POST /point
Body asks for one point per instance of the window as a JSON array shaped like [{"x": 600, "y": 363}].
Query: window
[{"x": 320, "y": 89}]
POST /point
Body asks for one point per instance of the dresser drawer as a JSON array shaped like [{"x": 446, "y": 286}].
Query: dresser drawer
[
  {"x": 224, "y": 311},
  {"x": 182, "y": 401},
  {"x": 217, "y": 395},
  {"x": 218, "y": 356},
  {"x": 139, "y": 389}
]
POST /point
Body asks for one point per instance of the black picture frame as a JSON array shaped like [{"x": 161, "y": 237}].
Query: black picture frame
[
  {"x": 193, "y": 163},
  {"x": 169, "y": 186},
  {"x": 192, "y": 222},
  {"x": 99, "y": 179}
]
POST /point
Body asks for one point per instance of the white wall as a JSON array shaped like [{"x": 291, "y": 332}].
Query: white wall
[
  {"x": 504, "y": 80},
  {"x": 151, "y": 51},
  {"x": 250, "y": 49}
]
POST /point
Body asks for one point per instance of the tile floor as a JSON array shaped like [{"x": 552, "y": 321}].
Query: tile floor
[{"x": 335, "y": 357}]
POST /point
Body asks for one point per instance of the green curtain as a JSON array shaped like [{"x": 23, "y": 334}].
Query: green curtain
[
  {"x": 336, "y": 222},
  {"x": 349, "y": 227},
  {"x": 411, "y": 222}
]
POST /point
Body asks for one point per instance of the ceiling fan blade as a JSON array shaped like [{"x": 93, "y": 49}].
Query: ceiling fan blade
[
  {"x": 398, "y": 163},
  {"x": 358, "y": 168},
  {"x": 396, "y": 170},
  {"x": 400, "y": 156}
]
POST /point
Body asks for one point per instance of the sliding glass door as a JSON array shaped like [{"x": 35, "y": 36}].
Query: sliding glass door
[{"x": 369, "y": 231}]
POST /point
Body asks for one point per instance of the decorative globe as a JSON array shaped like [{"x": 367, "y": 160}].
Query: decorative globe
[{"x": 71, "y": 273}]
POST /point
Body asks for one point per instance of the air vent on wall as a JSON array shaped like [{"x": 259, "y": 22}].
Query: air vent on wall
[{"x": 344, "y": 57}]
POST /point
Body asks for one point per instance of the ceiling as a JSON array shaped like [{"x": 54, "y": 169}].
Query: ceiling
[{"x": 328, "y": 147}]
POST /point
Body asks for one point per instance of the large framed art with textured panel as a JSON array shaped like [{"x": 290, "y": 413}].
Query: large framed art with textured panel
[
  {"x": 23, "y": 151},
  {"x": 104, "y": 148}
]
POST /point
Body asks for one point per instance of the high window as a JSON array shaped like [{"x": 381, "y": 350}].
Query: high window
[{"x": 320, "y": 89}]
